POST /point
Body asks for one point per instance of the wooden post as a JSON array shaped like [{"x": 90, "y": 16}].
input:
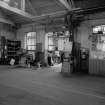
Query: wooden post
[{"x": 23, "y": 5}]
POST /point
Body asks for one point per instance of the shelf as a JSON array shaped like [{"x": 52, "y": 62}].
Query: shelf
[{"x": 12, "y": 48}]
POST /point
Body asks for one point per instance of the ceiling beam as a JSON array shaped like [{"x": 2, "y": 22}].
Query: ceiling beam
[
  {"x": 15, "y": 10},
  {"x": 2, "y": 20},
  {"x": 66, "y": 4},
  {"x": 49, "y": 15},
  {"x": 53, "y": 15}
]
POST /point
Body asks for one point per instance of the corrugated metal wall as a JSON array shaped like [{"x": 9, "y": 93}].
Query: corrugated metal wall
[{"x": 97, "y": 66}]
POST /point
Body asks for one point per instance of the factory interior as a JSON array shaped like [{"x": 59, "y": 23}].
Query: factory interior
[{"x": 52, "y": 52}]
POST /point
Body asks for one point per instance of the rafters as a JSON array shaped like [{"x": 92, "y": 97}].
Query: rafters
[
  {"x": 71, "y": 2},
  {"x": 15, "y": 10},
  {"x": 66, "y": 4},
  {"x": 30, "y": 6}
]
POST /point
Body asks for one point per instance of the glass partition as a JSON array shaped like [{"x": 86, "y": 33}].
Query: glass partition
[{"x": 98, "y": 42}]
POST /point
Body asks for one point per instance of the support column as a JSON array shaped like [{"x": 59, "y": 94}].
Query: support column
[
  {"x": 23, "y": 5},
  {"x": 40, "y": 31}
]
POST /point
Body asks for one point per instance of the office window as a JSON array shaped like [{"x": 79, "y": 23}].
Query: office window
[
  {"x": 99, "y": 29},
  {"x": 30, "y": 41},
  {"x": 57, "y": 40},
  {"x": 51, "y": 43}
]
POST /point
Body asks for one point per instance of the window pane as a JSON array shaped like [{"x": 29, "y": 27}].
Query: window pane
[
  {"x": 51, "y": 42},
  {"x": 29, "y": 34},
  {"x": 51, "y": 48},
  {"x": 98, "y": 29},
  {"x": 31, "y": 47},
  {"x": 61, "y": 44},
  {"x": 30, "y": 41},
  {"x": 33, "y": 34}
]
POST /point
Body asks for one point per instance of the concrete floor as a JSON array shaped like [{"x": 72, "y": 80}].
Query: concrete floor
[{"x": 21, "y": 86}]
